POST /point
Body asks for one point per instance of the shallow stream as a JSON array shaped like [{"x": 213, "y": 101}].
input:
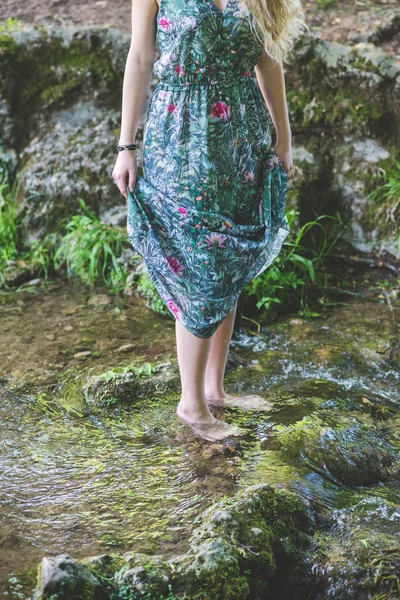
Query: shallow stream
[{"x": 135, "y": 477}]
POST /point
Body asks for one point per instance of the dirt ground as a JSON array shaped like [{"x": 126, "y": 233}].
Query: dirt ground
[{"x": 347, "y": 21}]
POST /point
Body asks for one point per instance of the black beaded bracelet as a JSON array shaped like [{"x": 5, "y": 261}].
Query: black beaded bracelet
[{"x": 126, "y": 147}]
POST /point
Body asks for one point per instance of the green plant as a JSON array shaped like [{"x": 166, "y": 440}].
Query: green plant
[
  {"x": 91, "y": 249},
  {"x": 325, "y": 3},
  {"x": 11, "y": 25},
  {"x": 299, "y": 267},
  {"x": 9, "y": 235},
  {"x": 386, "y": 197}
]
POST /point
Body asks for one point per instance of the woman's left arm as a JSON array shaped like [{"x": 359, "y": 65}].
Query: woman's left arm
[{"x": 271, "y": 81}]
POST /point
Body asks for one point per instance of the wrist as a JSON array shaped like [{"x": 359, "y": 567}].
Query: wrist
[
  {"x": 285, "y": 141},
  {"x": 283, "y": 135}
]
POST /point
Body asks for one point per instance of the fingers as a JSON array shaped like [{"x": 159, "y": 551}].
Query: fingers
[
  {"x": 121, "y": 183},
  {"x": 131, "y": 180},
  {"x": 125, "y": 180}
]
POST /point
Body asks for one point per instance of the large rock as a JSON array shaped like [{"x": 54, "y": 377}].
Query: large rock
[
  {"x": 351, "y": 449},
  {"x": 63, "y": 578},
  {"x": 250, "y": 546},
  {"x": 44, "y": 70},
  {"x": 60, "y": 104},
  {"x": 344, "y": 106},
  {"x": 359, "y": 556},
  {"x": 126, "y": 386}
]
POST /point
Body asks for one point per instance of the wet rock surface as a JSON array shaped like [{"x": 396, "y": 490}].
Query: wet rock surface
[
  {"x": 63, "y": 577},
  {"x": 360, "y": 553}
]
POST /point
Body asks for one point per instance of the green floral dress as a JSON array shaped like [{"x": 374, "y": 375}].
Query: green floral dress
[{"x": 208, "y": 214}]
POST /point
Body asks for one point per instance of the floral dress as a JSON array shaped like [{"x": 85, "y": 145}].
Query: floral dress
[{"x": 208, "y": 214}]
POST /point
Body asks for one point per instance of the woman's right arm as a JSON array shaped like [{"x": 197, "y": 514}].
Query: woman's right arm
[{"x": 137, "y": 77}]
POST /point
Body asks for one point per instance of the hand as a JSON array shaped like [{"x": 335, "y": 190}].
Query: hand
[
  {"x": 284, "y": 151},
  {"x": 124, "y": 173}
]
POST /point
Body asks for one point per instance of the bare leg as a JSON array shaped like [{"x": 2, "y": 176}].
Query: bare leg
[
  {"x": 192, "y": 357},
  {"x": 193, "y": 409},
  {"x": 215, "y": 370}
]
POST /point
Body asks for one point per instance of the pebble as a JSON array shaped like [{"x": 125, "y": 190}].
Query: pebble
[{"x": 82, "y": 354}]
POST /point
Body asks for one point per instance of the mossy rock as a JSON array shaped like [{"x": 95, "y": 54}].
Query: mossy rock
[
  {"x": 359, "y": 552},
  {"x": 125, "y": 385},
  {"x": 44, "y": 69},
  {"x": 344, "y": 89},
  {"x": 143, "y": 576},
  {"x": 253, "y": 544},
  {"x": 352, "y": 449},
  {"x": 63, "y": 578}
]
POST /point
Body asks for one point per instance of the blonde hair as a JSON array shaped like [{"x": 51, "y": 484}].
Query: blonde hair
[{"x": 277, "y": 24}]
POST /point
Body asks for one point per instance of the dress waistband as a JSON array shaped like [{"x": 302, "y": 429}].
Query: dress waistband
[{"x": 220, "y": 80}]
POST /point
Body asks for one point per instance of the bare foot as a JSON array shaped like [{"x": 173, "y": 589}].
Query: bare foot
[
  {"x": 250, "y": 402},
  {"x": 214, "y": 430}
]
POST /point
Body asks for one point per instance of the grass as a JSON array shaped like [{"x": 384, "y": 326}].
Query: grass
[
  {"x": 325, "y": 3},
  {"x": 386, "y": 198},
  {"x": 10, "y": 25},
  {"x": 83, "y": 245}
]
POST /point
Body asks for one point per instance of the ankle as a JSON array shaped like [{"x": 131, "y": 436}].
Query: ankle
[{"x": 214, "y": 392}]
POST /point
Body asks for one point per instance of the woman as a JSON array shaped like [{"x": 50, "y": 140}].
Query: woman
[{"x": 209, "y": 213}]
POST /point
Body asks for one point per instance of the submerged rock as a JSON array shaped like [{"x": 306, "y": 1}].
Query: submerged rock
[{"x": 352, "y": 450}]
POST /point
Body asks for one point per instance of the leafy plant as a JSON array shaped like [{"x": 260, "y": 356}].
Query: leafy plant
[
  {"x": 299, "y": 267},
  {"x": 11, "y": 25},
  {"x": 8, "y": 225},
  {"x": 91, "y": 249},
  {"x": 386, "y": 197}
]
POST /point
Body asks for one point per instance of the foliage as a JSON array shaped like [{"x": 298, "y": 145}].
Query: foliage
[
  {"x": 145, "y": 369},
  {"x": 91, "y": 249},
  {"x": 299, "y": 268},
  {"x": 386, "y": 197},
  {"x": 11, "y": 25},
  {"x": 9, "y": 234},
  {"x": 325, "y": 3}
]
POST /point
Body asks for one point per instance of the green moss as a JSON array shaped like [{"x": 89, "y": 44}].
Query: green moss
[
  {"x": 363, "y": 64},
  {"x": 327, "y": 111},
  {"x": 353, "y": 449},
  {"x": 247, "y": 545}
]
